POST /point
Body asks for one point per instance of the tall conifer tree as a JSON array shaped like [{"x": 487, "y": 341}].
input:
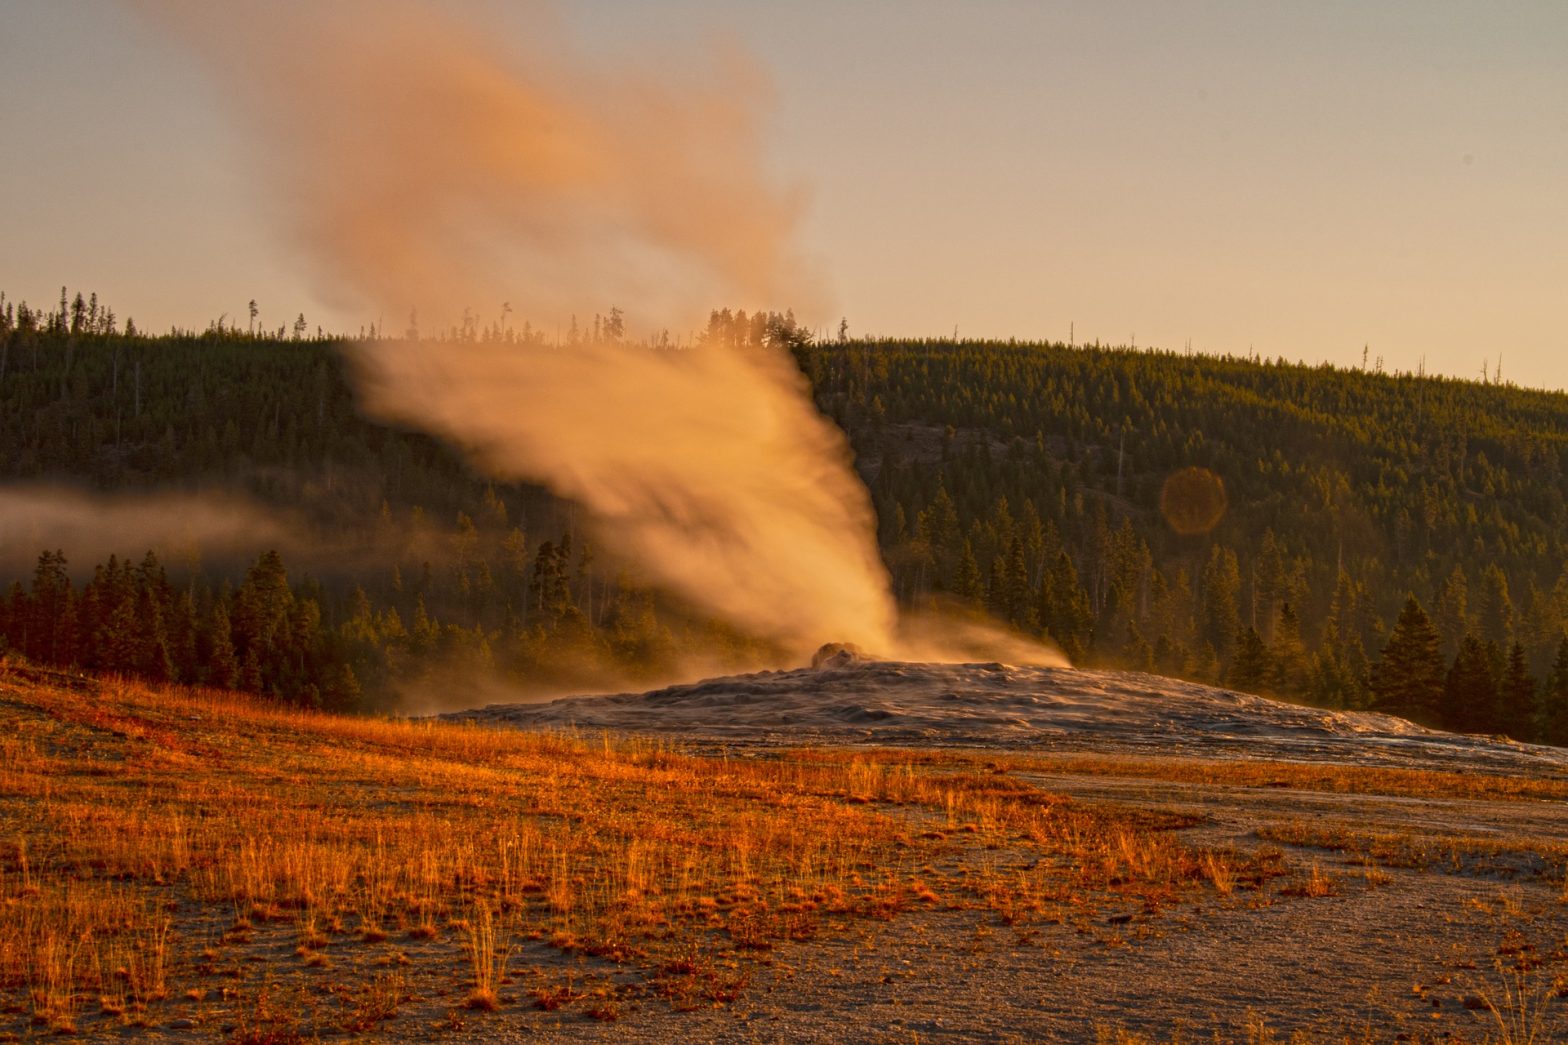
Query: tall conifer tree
[{"x": 1408, "y": 677}]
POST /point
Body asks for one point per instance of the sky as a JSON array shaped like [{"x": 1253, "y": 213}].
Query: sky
[{"x": 1312, "y": 181}]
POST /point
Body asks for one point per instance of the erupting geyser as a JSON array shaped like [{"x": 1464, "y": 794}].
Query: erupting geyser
[{"x": 438, "y": 172}]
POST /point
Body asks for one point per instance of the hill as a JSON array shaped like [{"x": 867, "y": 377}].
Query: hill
[{"x": 1055, "y": 486}]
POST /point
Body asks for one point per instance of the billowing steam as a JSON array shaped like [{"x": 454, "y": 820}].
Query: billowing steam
[
  {"x": 707, "y": 467},
  {"x": 423, "y": 166},
  {"x": 420, "y": 163}
]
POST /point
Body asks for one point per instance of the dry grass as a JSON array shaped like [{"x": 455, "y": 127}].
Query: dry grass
[
  {"x": 1468, "y": 853},
  {"x": 487, "y": 955},
  {"x": 168, "y": 852},
  {"x": 1519, "y": 999},
  {"x": 1272, "y": 774}
]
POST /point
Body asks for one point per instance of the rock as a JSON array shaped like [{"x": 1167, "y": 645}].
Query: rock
[{"x": 838, "y": 655}]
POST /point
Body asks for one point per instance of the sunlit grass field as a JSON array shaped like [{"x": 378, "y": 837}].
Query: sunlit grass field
[{"x": 200, "y": 860}]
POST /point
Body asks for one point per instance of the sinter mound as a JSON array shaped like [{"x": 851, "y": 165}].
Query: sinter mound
[
  {"x": 845, "y": 697},
  {"x": 838, "y": 655}
]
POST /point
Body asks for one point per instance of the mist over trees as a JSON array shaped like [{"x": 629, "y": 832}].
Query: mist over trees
[{"x": 1389, "y": 541}]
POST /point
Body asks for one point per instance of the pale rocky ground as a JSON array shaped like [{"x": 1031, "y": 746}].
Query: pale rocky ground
[
  {"x": 898, "y": 704},
  {"x": 1395, "y": 954}
]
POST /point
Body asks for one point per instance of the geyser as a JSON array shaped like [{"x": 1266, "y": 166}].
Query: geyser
[{"x": 422, "y": 167}]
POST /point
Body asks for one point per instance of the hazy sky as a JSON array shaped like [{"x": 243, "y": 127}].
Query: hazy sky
[{"x": 1303, "y": 179}]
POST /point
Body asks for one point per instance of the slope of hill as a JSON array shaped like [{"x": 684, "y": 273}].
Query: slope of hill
[{"x": 1027, "y": 479}]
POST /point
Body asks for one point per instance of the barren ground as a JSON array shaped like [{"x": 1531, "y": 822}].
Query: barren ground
[{"x": 1045, "y": 855}]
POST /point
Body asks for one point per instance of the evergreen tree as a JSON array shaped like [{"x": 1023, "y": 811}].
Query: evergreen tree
[
  {"x": 1451, "y": 612},
  {"x": 1221, "y": 595},
  {"x": 262, "y": 608},
  {"x": 1339, "y": 673},
  {"x": 967, "y": 582},
  {"x": 1470, "y": 692},
  {"x": 251, "y": 679},
  {"x": 1554, "y": 700},
  {"x": 1271, "y": 584},
  {"x": 1289, "y": 668},
  {"x": 120, "y": 642},
  {"x": 1408, "y": 677},
  {"x": 1017, "y": 606},
  {"x": 1065, "y": 613},
  {"x": 1497, "y": 607},
  {"x": 1516, "y": 697},
  {"x": 1251, "y": 670},
  {"x": 184, "y": 635},
  {"x": 223, "y": 668},
  {"x": 49, "y": 630},
  {"x": 342, "y": 692}
]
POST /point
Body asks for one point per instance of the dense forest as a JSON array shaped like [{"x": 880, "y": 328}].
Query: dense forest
[{"x": 1344, "y": 537}]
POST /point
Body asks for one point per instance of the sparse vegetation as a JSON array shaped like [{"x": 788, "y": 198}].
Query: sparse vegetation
[
  {"x": 202, "y": 857},
  {"x": 168, "y": 846}
]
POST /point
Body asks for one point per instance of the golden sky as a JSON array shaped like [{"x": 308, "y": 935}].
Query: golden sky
[{"x": 1291, "y": 179}]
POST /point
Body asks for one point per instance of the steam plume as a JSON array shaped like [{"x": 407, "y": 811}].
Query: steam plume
[
  {"x": 421, "y": 165},
  {"x": 707, "y": 467}
]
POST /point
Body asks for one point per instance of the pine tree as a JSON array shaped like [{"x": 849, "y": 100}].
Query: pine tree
[
  {"x": 17, "y": 616},
  {"x": 1497, "y": 607},
  {"x": 183, "y": 638},
  {"x": 223, "y": 669},
  {"x": 941, "y": 526},
  {"x": 1450, "y": 612},
  {"x": 1554, "y": 700},
  {"x": 342, "y": 690},
  {"x": 261, "y": 614},
  {"x": 1408, "y": 677},
  {"x": 1065, "y": 613},
  {"x": 1516, "y": 697},
  {"x": 1339, "y": 673},
  {"x": 119, "y": 642},
  {"x": 1016, "y": 604},
  {"x": 967, "y": 582},
  {"x": 251, "y": 680},
  {"x": 49, "y": 630},
  {"x": 1271, "y": 585},
  {"x": 1251, "y": 669},
  {"x": 1221, "y": 599},
  {"x": 1470, "y": 692},
  {"x": 1289, "y": 667}
]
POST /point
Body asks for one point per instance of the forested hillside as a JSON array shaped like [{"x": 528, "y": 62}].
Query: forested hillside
[{"x": 1386, "y": 540}]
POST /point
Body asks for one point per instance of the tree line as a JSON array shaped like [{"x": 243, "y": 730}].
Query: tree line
[{"x": 1026, "y": 478}]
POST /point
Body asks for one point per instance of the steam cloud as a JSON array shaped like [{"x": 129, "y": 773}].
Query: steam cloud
[
  {"x": 420, "y": 165},
  {"x": 707, "y": 467},
  {"x": 91, "y": 527}
]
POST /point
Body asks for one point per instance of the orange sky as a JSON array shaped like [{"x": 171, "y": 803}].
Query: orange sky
[{"x": 1302, "y": 180}]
